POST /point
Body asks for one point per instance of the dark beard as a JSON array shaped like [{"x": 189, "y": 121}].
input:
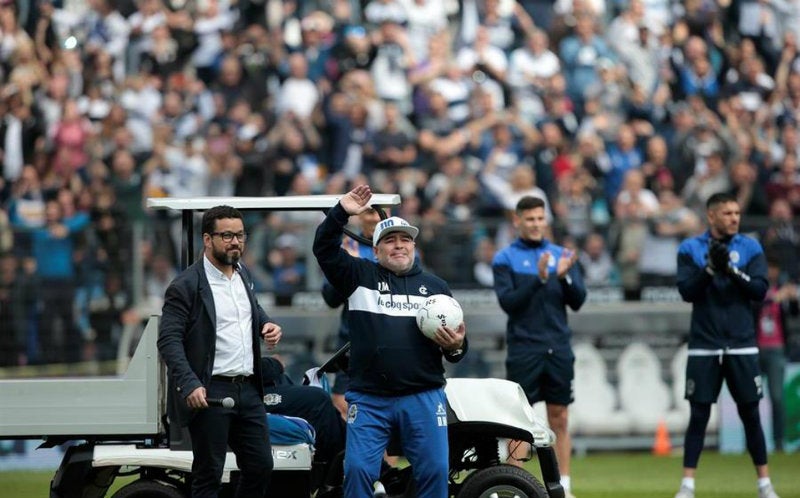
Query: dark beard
[{"x": 226, "y": 258}]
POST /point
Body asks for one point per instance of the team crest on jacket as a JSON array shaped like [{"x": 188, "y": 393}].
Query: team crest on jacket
[
  {"x": 352, "y": 412},
  {"x": 423, "y": 290},
  {"x": 272, "y": 399},
  {"x": 735, "y": 257}
]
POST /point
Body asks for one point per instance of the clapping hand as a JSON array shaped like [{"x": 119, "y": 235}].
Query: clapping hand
[
  {"x": 718, "y": 257},
  {"x": 565, "y": 262},
  {"x": 544, "y": 261}
]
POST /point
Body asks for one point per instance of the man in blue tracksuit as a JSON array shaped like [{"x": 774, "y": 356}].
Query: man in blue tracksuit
[
  {"x": 535, "y": 280},
  {"x": 722, "y": 273},
  {"x": 396, "y": 373},
  {"x": 368, "y": 220}
]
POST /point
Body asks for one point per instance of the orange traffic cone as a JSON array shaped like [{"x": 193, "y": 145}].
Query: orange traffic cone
[{"x": 662, "y": 445}]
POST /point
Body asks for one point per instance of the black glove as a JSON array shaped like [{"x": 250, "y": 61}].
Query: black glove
[{"x": 718, "y": 257}]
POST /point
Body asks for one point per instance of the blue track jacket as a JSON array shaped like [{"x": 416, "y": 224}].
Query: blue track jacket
[
  {"x": 537, "y": 313},
  {"x": 722, "y": 316}
]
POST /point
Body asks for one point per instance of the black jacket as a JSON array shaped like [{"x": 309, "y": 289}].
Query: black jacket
[{"x": 187, "y": 336}]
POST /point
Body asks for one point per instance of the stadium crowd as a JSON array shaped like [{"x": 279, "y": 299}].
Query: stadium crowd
[{"x": 625, "y": 116}]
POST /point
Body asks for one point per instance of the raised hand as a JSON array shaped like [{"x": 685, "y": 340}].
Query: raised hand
[{"x": 357, "y": 200}]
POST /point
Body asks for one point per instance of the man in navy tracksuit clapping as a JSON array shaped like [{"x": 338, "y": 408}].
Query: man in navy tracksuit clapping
[
  {"x": 396, "y": 373},
  {"x": 535, "y": 280},
  {"x": 722, "y": 272}
]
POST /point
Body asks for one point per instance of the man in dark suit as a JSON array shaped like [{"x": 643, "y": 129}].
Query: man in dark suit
[{"x": 209, "y": 337}]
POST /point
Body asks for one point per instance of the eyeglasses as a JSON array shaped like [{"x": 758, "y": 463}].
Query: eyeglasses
[{"x": 228, "y": 236}]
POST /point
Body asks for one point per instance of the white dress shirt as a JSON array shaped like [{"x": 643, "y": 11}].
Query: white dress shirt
[{"x": 234, "y": 351}]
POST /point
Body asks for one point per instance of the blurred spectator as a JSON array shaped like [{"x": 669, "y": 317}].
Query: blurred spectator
[
  {"x": 785, "y": 183},
  {"x": 580, "y": 54},
  {"x": 426, "y": 20},
  {"x": 439, "y": 136},
  {"x": 393, "y": 58},
  {"x": 143, "y": 23},
  {"x": 771, "y": 318},
  {"x": 455, "y": 86},
  {"x": 749, "y": 192},
  {"x": 482, "y": 270},
  {"x": 6, "y": 233},
  {"x": 500, "y": 149},
  {"x": 297, "y": 94},
  {"x": 127, "y": 185},
  {"x": 109, "y": 312},
  {"x": 53, "y": 249},
  {"x": 762, "y": 21},
  {"x": 393, "y": 147},
  {"x": 672, "y": 223},
  {"x": 70, "y": 138},
  {"x": 529, "y": 69},
  {"x": 633, "y": 209},
  {"x": 233, "y": 85},
  {"x": 108, "y": 32},
  {"x": 21, "y": 132},
  {"x": 782, "y": 238},
  {"x": 159, "y": 272},
  {"x": 17, "y": 304},
  {"x": 623, "y": 156},
  {"x": 378, "y": 12},
  {"x": 288, "y": 271},
  {"x": 27, "y": 202},
  {"x": 706, "y": 181},
  {"x": 574, "y": 204},
  {"x": 552, "y": 144},
  {"x": 315, "y": 43},
  {"x": 597, "y": 265},
  {"x": 655, "y": 168},
  {"x": 213, "y": 18},
  {"x": 504, "y": 20},
  {"x": 485, "y": 63},
  {"x": 292, "y": 146},
  {"x": 354, "y": 50}
]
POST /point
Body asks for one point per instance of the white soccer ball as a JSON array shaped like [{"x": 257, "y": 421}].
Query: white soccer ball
[{"x": 438, "y": 310}]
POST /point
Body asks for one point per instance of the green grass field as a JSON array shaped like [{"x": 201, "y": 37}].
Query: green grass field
[{"x": 608, "y": 475}]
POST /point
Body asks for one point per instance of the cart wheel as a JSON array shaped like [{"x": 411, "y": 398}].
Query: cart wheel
[
  {"x": 148, "y": 489},
  {"x": 502, "y": 481}
]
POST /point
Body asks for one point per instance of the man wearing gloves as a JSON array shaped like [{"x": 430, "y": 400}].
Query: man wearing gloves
[{"x": 721, "y": 272}]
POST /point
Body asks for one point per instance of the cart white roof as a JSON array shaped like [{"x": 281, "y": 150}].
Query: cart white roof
[{"x": 291, "y": 203}]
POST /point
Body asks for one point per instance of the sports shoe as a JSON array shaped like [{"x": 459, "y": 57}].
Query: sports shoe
[
  {"x": 767, "y": 492},
  {"x": 685, "y": 492}
]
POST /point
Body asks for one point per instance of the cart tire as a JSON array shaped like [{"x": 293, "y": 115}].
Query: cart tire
[
  {"x": 145, "y": 488},
  {"x": 502, "y": 481}
]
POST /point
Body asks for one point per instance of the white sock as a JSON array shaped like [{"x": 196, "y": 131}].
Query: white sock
[
  {"x": 763, "y": 482},
  {"x": 688, "y": 482},
  {"x": 565, "y": 483}
]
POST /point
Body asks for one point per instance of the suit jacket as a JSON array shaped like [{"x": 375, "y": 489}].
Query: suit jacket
[{"x": 187, "y": 337}]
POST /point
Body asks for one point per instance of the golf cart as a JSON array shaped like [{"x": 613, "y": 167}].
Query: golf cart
[{"x": 122, "y": 428}]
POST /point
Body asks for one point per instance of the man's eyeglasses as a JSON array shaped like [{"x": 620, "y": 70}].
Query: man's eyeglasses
[{"x": 228, "y": 236}]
